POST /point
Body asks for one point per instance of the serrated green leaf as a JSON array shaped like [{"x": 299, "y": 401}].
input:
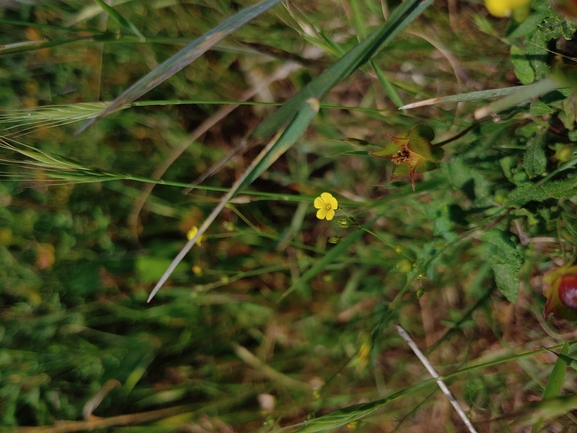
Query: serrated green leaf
[
  {"x": 505, "y": 261},
  {"x": 539, "y": 108},
  {"x": 537, "y": 54},
  {"x": 535, "y": 192},
  {"x": 535, "y": 160},
  {"x": 500, "y": 249},
  {"x": 522, "y": 66},
  {"x": 507, "y": 280}
]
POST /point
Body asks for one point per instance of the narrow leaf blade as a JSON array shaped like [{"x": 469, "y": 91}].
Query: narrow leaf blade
[
  {"x": 183, "y": 58},
  {"x": 403, "y": 15},
  {"x": 116, "y": 16}
]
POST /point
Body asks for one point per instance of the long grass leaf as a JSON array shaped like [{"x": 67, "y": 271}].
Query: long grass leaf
[
  {"x": 346, "y": 65},
  {"x": 464, "y": 97},
  {"x": 557, "y": 376},
  {"x": 116, "y": 16},
  {"x": 326, "y": 259},
  {"x": 524, "y": 93},
  {"x": 555, "y": 383},
  {"x": 184, "y": 57},
  {"x": 266, "y": 157}
]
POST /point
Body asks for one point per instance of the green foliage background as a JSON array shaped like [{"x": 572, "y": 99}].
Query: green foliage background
[{"x": 267, "y": 307}]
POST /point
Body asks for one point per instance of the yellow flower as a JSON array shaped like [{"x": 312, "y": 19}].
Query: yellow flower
[
  {"x": 192, "y": 233},
  {"x": 326, "y": 205},
  {"x": 504, "y": 8}
]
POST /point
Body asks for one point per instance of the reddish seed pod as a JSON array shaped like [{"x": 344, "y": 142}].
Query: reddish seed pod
[
  {"x": 568, "y": 291},
  {"x": 560, "y": 289}
]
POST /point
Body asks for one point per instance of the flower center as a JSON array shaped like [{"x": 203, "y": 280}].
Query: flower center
[
  {"x": 328, "y": 206},
  {"x": 401, "y": 156}
]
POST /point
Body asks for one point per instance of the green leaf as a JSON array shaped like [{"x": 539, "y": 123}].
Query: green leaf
[
  {"x": 184, "y": 57},
  {"x": 500, "y": 249},
  {"x": 522, "y": 65},
  {"x": 534, "y": 192},
  {"x": 505, "y": 261},
  {"x": 557, "y": 376},
  {"x": 535, "y": 160},
  {"x": 539, "y": 108},
  {"x": 403, "y": 15},
  {"x": 507, "y": 280},
  {"x": 116, "y": 16}
]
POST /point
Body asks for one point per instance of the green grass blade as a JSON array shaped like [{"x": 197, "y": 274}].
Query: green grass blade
[
  {"x": 463, "y": 97},
  {"x": 326, "y": 259},
  {"x": 20, "y": 47},
  {"x": 116, "y": 16},
  {"x": 341, "y": 417},
  {"x": 391, "y": 91},
  {"x": 346, "y": 65},
  {"x": 555, "y": 382},
  {"x": 184, "y": 57},
  {"x": 266, "y": 157},
  {"x": 49, "y": 27},
  {"x": 524, "y": 93}
]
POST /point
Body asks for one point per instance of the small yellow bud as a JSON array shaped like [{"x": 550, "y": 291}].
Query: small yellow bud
[{"x": 505, "y": 8}]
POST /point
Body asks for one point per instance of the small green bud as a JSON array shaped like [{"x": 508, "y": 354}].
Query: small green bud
[
  {"x": 399, "y": 249},
  {"x": 344, "y": 223},
  {"x": 564, "y": 153},
  {"x": 404, "y": 266},
  {"x": 334, "y": 239}
]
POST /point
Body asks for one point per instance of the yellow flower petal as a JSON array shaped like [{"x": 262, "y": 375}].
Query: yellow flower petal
[
  {"x": 321, "y": 213},
  {"x": 319, "y": 203},
  {"x": 192, "y": 233},
  {"x": 326, "y": 205}
]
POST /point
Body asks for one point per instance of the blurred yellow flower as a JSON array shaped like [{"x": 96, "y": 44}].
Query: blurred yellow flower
[
  {"x": 192, "y": 233},
  {"x": 505, "y": 8},
  {"x": 326, "y": 205}
]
